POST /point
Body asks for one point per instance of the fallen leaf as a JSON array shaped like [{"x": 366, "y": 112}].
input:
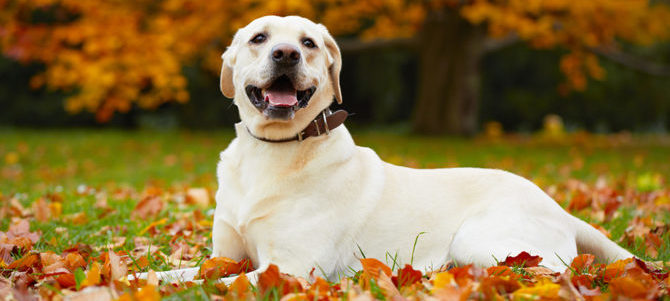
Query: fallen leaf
[
  {"x": 272, "y": 279},
  {"x": 74, "y": 260},
  {"x": 92, "y": 276},
  {"x": 523, "y": 259},
  {"x": 118, "y": 268},
  {"x": 24, "y": 263},
  {"x": 198, "y": 196},
  {"x": 406, "y": 276},
  {"x": 374, "y": 267},
  {"x": 218, "y": 267},
  {"x": 582, "y": 262},
  {"x": 240, "y": 287},
  {"x": 544, "y": 289},
  {"x": 149, "y": 206}
]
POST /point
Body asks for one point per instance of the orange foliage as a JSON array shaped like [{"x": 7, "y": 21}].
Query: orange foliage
[{"x": 112, "y": 54}]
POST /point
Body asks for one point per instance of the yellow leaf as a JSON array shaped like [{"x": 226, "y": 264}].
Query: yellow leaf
[
  {"x": 92, "y": 276},
  {"x": 442, "y": 280},
  {"x": 544, "y": 289}
]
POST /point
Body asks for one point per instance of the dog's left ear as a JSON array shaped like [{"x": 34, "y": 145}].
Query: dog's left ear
[
  {"x": 334, "y": 61},
  {"x": 226, "y": 84}
]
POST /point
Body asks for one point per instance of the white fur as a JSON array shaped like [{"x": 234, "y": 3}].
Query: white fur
[{"x": 314, "y": 203}]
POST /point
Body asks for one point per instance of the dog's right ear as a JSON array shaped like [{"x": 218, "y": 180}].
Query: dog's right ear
[
  {"x": 335, "y": 62},
  {"x": 227, "y": 87}
]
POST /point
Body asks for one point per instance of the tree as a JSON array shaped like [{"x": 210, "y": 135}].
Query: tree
[{"x": 114, "y": 53}]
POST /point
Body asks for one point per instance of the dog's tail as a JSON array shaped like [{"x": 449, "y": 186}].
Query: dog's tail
[{"x": 592, "y": 241}]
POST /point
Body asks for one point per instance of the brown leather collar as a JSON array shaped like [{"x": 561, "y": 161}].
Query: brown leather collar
[{"x": 322, "y": 124}]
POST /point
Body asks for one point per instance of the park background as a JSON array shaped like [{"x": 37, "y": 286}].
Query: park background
[{"x": 112, "y": 121}]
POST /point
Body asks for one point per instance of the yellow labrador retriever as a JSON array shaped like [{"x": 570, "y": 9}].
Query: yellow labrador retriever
[{"x": 294, "y": 189}]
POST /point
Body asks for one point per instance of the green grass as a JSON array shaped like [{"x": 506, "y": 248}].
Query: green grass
[{"x": 34, "y": 163}]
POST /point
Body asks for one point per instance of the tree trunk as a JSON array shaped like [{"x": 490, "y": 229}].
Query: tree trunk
[{"x": 450, "y": 49}]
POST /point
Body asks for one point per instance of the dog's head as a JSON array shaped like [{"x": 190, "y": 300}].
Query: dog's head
[{"x": 282, "y": 72}]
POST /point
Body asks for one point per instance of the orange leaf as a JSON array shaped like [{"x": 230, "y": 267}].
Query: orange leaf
[
  {"x": 582, "y": 262},
  {"x": 615, "y": 269},
  {"x": 240, "y": 287},
  {"x": 523, "y": 259},
  {"x": 147, "y": 293},
  {"x": 66, "y": 280},
  {"x": 24, "y": 262},
  {"x": 373, "y": 267},
  {"x": 495, "y": 286},
  {"x": 218, "y": 267},
  {"x": 271, "y": 278},
  {"x": 628, "y": 287},
  {"x": 74, "y": 260},
  {"x": 462, "y": 275}
]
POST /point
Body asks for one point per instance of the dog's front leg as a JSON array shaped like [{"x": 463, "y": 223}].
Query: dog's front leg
[{"x": 226, "y": 242}]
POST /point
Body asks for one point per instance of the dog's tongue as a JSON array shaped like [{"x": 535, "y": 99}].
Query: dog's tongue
[{"x": 281, "y": 98}]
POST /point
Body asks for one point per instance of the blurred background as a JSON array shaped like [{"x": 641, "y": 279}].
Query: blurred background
[
  {"x": 456, "y": 67},
  {"x": 117, "y": 100}
]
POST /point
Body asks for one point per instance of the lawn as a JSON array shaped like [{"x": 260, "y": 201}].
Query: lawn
[{"x": 148, "y": 197}]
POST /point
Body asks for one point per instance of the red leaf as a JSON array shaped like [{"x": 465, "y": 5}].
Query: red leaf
[
  {"x": 406, "y": 276},
  {"x": 656, "y": 273},
  {"x": 522, "y": 260}
]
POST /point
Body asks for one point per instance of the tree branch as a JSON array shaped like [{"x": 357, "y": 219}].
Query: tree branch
[
  {"x": 353, "y": 45},
  {"x": 495, "y": 44},
  {"x": 631, "y": 61}
]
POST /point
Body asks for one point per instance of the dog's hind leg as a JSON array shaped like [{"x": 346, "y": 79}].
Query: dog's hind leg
[{"x": 486, "y": 239}]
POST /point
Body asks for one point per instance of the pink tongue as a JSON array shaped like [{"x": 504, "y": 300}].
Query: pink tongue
[{"x": 281, "y": 98}]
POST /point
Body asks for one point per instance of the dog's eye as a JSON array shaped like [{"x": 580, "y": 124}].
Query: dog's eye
[
  {"x": 259, "y": 38},
  {"x": 308, "y": 43}
]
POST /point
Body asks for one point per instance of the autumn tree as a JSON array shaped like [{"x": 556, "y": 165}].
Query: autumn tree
[{"x": 112, "y": 54}]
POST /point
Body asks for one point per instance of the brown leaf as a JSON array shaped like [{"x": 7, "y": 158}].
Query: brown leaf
[
  {"x": 21, "y": 228},
  {"x": 118, "y": 268},
  {"x": 41, "y": 210},
  {"x": 95, "y": 293},
  {"x": 149, "y": 206},
  {"x": 523, "y": 259}
]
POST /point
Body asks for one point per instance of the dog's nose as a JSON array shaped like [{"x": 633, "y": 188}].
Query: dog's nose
[{"x": 285, "y": 54}]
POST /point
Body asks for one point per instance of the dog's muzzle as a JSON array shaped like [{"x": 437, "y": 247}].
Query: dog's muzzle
[{"x": 280, "y": 99}]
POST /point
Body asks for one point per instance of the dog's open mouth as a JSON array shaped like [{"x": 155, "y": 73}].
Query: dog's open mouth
[{"x": 280, "y": 99}]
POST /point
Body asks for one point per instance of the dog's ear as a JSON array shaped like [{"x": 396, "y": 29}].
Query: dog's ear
[
  {"x": 227, "y": 87},
  {"x": 334, "y": 61}
]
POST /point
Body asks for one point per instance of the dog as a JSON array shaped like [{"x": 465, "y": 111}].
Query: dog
[{"x": 296, "y": 191}]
